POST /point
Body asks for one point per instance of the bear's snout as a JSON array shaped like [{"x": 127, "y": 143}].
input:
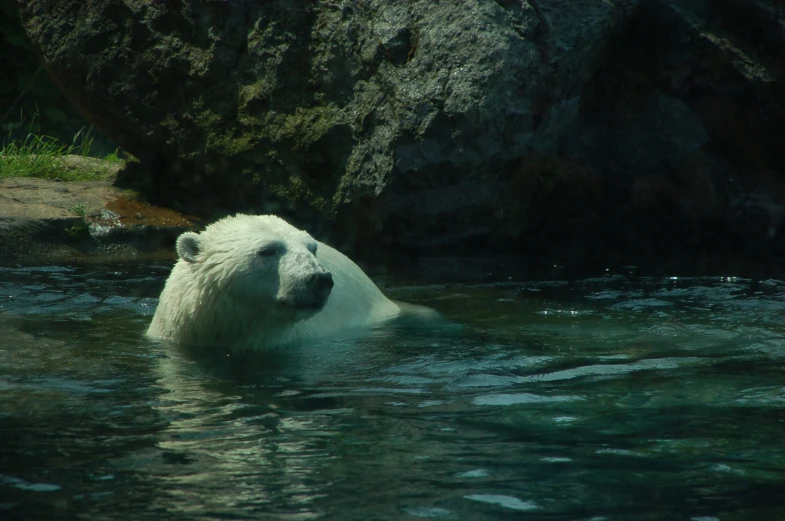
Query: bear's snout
[
  {"x": 313, "y": 292},
  {"x": 322, "y": 282}
]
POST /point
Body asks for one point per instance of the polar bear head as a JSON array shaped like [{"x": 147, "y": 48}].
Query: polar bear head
[{"x": 258, "y": 264}]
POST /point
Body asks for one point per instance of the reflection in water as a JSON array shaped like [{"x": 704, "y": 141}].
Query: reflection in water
[
  {"x": 605, "y": 398},
  {"x": 238, "y": 450}
]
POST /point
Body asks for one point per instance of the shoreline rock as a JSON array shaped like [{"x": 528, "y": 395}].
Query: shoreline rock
[
  {"x": 44, "y": 221},
  {"x": 38, "y": 226}
]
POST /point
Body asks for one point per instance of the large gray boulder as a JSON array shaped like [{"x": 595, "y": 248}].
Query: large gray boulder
[
  {"x": 415, "y": 110},
  {"x": 565, "y": 128}
]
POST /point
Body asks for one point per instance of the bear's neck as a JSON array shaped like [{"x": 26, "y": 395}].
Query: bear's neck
[{"x": 220, "y": 321}]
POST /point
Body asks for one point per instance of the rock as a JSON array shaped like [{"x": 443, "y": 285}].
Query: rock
[
  {"x": 756, "y": 216},
  {"x": 105, "y": 169},
  {"x": 683, "y": 122},
  {"x": 320, "y": 108},
  {"x": 48, "y": 221},
  {"x": 574, "y": 130}
]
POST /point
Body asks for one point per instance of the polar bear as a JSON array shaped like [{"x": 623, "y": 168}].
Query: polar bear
[{"x": 253, "y": 282}]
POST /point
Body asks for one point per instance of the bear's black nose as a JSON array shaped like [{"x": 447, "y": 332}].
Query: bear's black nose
[{"x": 323, "y": 281}]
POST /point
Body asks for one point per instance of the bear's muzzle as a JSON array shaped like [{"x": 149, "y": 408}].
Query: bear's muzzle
[{"x": 316, "y": 289}]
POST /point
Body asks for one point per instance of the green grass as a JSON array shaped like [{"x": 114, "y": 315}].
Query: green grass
[
  {"x": 41, "y": 156},
  {"x": 78, "y": 209},
  {"x": 116, "y": 157}
]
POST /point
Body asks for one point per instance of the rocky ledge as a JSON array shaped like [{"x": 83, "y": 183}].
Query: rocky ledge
[{"x": 45, "y": 221}]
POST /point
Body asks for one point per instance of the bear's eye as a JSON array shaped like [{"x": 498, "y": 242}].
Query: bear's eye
[
  {"x": 268, "y": 250},
  {"x": 312, "y": 247}
]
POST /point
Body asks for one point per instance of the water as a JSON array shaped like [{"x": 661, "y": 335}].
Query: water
[{"x": 610, "y": 398}]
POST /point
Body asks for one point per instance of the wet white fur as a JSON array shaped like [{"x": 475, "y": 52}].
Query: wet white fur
[{"x": 222, "y": 293}]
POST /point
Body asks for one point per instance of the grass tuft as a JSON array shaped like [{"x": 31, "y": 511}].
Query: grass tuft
[
  {"x": 78, "y": 209},
  {"x": 42, "y": 157},
  {"x": 116, "y": 156}
]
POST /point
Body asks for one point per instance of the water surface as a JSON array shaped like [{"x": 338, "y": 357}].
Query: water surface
[{"x": 607, "y": 398}]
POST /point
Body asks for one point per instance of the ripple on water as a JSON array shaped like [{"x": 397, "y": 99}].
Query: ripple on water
[
  {"x": 510, "y": 502},
  {"x": 430, "y": 512},
  {"x": 24, "y": 485},
  {"x": 522, "y": 398}
]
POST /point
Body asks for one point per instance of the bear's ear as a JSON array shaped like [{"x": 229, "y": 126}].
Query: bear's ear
[{"x": 188, "y": 246}]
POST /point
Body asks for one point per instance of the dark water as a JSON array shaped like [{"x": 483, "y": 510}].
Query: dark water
[{"x": 611, "y": 398}]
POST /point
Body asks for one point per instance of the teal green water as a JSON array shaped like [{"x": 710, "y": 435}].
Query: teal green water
[{"x": 609, "y": 398}]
